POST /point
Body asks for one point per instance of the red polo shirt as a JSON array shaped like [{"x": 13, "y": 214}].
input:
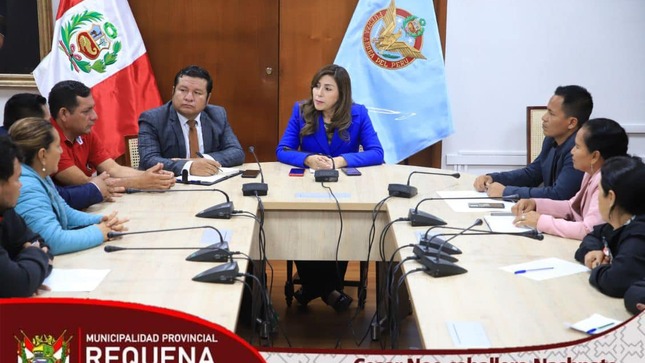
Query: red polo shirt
[{"x": 86, "y": 152}]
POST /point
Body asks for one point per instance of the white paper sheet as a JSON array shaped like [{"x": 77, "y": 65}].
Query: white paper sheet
[
  {"x": 544, "y": 269},
  {"x": 468, "y": 334},
  {"x": 595, "y": 324},
  {"x": 504, "y": 224},
  {"x": 75, "y": 280},
  {"x": 461, "y": 205}
]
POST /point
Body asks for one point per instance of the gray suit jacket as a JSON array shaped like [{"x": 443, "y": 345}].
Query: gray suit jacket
[{"x": 161, "y": 138}]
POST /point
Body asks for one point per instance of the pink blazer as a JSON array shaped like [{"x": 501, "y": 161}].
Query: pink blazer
[{"x": 572, "y": 218}]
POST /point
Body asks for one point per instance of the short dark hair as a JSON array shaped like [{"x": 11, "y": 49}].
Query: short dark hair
[
  {"x": 23, "y": 105},
  {"x": 195, "y": 72},
  {"x": 8, "y": 153},
  {"x": 576, "y": 102},
  {"x": 624, "y": 175},
  {"x": 605, "y": 136},
  {"x": 64, "y": 93}
]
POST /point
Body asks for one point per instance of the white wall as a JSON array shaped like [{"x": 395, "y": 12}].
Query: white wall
[{"x": 504, "y": 55}]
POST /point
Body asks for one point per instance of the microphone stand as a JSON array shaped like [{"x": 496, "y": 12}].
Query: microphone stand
[
  {"x": 259, "y": 189},
  {"x": 437, "y": 267},
  {"x": 113, "y": 234},
  {"x": 408, "y": 191}
]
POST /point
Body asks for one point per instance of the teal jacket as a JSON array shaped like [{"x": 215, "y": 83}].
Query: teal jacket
[{"x": 63, "y": 228}]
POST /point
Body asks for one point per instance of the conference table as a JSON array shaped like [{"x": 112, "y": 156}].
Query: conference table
[{"x": 302, "y": 222}]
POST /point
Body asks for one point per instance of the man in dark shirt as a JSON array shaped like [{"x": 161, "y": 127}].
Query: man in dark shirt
[
  {"x": 551, "y": 175},
  {"x": 24, "y": 259}
]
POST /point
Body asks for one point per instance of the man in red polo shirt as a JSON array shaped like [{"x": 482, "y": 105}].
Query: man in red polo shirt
[{"x": 72, "y": 107}]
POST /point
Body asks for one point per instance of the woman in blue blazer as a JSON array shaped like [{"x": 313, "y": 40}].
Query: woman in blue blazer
[
  {"x": 326, "y": 132},
  {"x": 63, "y": 228}
]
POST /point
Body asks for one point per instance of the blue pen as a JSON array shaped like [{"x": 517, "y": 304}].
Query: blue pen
[
  {"x": 532, "y": 269},
  {"x": 591, "y": 331}
]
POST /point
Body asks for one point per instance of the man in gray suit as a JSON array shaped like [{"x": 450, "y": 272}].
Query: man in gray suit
[{"x": 187, "y": 133}]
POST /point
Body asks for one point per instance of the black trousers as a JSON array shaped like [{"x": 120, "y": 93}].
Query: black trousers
[{"x": 320, "y": 278}]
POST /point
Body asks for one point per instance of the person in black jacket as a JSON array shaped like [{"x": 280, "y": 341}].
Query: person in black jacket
[
  {"x": 635, "y": 297},
  {"x": 24, "y": 259},
  {"x": 615, "y": 251}
]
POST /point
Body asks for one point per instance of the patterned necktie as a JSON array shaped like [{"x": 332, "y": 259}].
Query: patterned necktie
[{"x": 193, "y": 143}]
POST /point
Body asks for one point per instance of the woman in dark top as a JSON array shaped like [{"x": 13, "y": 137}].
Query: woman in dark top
[{"x": 615, "y": 251}]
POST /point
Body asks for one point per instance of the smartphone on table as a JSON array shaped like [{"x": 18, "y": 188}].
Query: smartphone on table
[
  {"x": 250, "y": 173},
  {"x": 297, "y": 172},
  {"x": 351, "y": 171}
]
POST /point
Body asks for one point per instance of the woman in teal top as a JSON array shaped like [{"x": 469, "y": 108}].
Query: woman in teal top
[{"x": 63, "y": 228}]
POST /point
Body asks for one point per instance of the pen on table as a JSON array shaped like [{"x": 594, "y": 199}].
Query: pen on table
[
  {"x": 593, "y": 330},
  {"x": 202, "y": 156},
  {"x": 532, "y": 269}
]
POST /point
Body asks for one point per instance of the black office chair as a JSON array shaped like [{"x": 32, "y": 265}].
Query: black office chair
[{"x": 361, "y": 284}]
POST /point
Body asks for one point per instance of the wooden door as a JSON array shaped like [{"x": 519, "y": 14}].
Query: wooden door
[{"x": 237, "y": 42}]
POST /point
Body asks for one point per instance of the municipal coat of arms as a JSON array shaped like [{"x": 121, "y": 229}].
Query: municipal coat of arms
[{"x": 43, "y": 349}]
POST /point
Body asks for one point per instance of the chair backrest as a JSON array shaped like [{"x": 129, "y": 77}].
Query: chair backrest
[
  {"x": 132, "y": 151},
  {"x": 534, "y": 132}
]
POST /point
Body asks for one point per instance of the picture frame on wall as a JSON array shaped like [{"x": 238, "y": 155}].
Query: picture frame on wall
[{"x": 26, "y": 27}]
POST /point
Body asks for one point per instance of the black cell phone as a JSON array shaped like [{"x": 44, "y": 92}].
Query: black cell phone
[
  {"x": 250, "y": 173},
  {"x": 297, "y": 172},
  {"x": 486, "y": 205},
  {"x": 351, "y": 171}
]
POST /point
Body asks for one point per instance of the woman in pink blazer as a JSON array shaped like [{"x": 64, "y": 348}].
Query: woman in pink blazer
[{"x": 598, "y": 140}]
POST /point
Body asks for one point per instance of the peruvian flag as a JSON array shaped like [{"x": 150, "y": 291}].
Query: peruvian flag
[{"x": 97, "y": 42}]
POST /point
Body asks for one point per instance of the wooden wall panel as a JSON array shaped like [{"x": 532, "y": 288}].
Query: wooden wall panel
[
  {"x": 236, "y": 41},
  {"x": 310, "y": 35}
]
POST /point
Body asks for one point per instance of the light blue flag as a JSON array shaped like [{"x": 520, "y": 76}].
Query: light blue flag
[{"x": 393, "y": 54}]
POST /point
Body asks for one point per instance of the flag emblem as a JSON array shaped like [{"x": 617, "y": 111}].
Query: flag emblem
[
  {"x": 89, "y": 43},
  {"x": 43, "y": 349},
  {"x": 392, "y": 38}
]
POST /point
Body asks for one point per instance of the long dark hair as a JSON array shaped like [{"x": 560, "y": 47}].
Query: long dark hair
[{"x": 342, "y": 116}]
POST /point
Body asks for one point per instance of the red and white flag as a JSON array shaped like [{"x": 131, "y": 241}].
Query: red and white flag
[{"x": 97, "y": 42}]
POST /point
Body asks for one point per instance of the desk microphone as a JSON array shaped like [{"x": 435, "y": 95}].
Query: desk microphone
[
  {"x": 420, "y": 218},
  {"x": 439, "y": 267},
  {"x": 327, "y": 175},
  {"x": 217, "y": 252},
  {"x": 113, "y": 234},
  {"x": 407, "y": 190},
  {"x": 533, "y": 234},
  {"x": 219, "y": 211},
  {"x": 259, "y": 189},
  {"x": 222, "y": 274}
]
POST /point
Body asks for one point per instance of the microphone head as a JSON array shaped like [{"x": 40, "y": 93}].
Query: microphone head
[
  {"x": 478, "y": 222},
  {"x": 109, "y": 248},
  {"x": 251, "y": 149},
  {"x": 456, "y": 175},
  {"x": 113, "y": 234}
]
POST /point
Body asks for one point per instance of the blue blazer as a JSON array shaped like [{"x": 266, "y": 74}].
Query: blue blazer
[
  {"x": 161, "y": 138},
  {"x": 535, "y": 181},
  {"x": 294, "y": 150},
  {"x": 63, "y": 228}
]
